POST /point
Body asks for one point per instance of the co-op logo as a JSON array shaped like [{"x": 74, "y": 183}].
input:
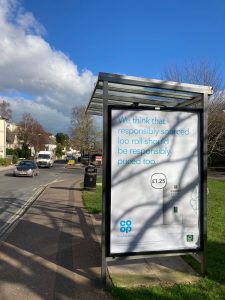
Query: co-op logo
[{"x": 125, "y": 226}]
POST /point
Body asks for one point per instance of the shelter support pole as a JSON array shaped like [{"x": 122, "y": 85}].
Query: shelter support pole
[
  {"x": 205, "y": 190},
  {"x": 104, "y": 183}
]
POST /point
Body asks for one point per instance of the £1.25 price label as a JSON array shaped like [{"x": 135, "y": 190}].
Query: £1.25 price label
[{"x": 158, "y": 180}]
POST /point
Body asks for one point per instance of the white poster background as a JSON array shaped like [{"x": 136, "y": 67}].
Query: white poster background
[{"x": 154, "y": 181}]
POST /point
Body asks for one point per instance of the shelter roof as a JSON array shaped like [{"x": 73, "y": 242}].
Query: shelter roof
[{"x": 127, "y": 90}]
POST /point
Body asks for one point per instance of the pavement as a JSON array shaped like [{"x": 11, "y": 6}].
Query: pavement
[
  {"x": 54, "y": 252},
  {"x": 2, "y": 168},
  {"x": 216, "y": 173},
  {"x": 145, "y": 271}
]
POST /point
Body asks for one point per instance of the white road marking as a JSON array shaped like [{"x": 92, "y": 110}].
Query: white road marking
[{"x": 20, "y": 211}]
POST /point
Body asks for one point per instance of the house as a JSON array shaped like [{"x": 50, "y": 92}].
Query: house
[
  {"x": 12, "y": 141},
  {"x": 2, "y": 138}
]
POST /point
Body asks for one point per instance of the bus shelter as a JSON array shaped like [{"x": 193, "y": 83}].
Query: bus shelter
[{"x": 154, "y": 167}]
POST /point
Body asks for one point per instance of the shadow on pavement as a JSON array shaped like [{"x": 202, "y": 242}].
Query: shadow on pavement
[
  {"x": 53, "y": 252},
  {"x": 66, "y": 188}
]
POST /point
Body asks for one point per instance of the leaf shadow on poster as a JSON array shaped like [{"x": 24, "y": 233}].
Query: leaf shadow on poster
[{"x": 127, "y": 172}]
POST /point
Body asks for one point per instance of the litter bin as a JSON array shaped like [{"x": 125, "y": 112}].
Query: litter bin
[{"x": 90, "y": 177}]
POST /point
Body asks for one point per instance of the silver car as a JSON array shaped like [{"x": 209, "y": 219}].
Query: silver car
[{"x": 26, "y": 168}]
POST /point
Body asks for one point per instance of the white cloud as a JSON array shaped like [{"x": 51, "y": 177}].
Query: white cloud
[
  {"x": 54, "y": 120},
  {"x": 29, "y": 65}
]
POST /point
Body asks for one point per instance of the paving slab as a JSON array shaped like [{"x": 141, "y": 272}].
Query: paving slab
[
  {"x": 53, "y": 253},
  {"x": 161, "y": 271}
]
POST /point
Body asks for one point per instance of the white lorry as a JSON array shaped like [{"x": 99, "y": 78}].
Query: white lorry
[{"x": 45, "y": 159}]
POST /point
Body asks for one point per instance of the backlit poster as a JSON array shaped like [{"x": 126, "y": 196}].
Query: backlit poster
[{"x": 155, "y": 180}]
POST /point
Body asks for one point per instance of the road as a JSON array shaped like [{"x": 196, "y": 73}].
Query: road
[{"x": 18, "y": 193}]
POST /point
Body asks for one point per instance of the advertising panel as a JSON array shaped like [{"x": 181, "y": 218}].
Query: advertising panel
[{"x": 155, "y": 181}]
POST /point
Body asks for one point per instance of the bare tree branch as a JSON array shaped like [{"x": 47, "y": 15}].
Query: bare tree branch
[
  {"x": 84, "y": 134},
  {"x": 31, "y": 132},
  {"x": 204, "y": 73},
  {"x": 5, "y": 110}
]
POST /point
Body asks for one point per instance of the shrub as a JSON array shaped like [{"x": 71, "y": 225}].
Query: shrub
[
  {"x": 10, "y": 151},
  {"x": 5, "y": 161},
  {"x": 14, "y": 159}
]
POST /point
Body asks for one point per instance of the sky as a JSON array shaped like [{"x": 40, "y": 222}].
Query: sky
[{"x": 51, "y": 51}]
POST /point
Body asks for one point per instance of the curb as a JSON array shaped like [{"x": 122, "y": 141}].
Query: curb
[
  {"x": 2, "y": 169},
  {"x": 12, "y": 222}
]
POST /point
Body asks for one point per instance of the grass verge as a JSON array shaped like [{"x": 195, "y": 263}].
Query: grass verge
[
  {"x": 211, "y": 287},
  {"x": 93, "y": 199}
]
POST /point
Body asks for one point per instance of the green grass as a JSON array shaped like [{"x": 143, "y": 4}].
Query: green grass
[
  {"x": 216, "y": 230},
  {"x": 93, "y": 199},
  {"x": 212, "y": 287},
  {"x": 204, "y": 290}
]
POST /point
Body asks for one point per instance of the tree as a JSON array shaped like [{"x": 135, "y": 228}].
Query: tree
[
  {"x": 59, "y": 150},
  {"x": 10, "y": 136},
  {"x": 62, "y": 138},
  {"x": 84, "y": 134},
  {"x": 31, "y": 133},
  {"x": 5, "y": 110},
  {"x": 204, "y": 73},
  {"x": 25, "y": 152},
  {"x": 216, "y": 134}
]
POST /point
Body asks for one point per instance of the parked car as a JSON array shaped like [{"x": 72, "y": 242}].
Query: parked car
[{"x": 26, "y": 168}]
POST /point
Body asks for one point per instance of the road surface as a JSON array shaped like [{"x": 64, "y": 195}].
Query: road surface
[{"x": 18, "y": 193}]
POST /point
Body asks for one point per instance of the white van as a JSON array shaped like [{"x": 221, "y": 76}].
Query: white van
[{"x": 45, "y": 159}]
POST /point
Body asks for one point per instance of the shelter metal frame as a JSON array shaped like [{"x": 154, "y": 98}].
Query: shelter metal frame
[{"x": 113, "y": 89}]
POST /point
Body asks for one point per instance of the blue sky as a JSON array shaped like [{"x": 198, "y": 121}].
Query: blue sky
[
  {"x": 134, "y": 37},
  {"x": 52, "y": 50}
]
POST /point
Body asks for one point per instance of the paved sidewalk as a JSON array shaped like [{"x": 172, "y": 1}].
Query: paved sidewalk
[
  {"x": 53, "y": 253},
  {"x": 2, "y": 168},
  {"x": 139, "y": 272},
  {"x": 216, "y": 173}
]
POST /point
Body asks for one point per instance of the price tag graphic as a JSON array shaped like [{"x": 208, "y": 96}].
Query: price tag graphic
[{"x": 158, "y": 180}]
